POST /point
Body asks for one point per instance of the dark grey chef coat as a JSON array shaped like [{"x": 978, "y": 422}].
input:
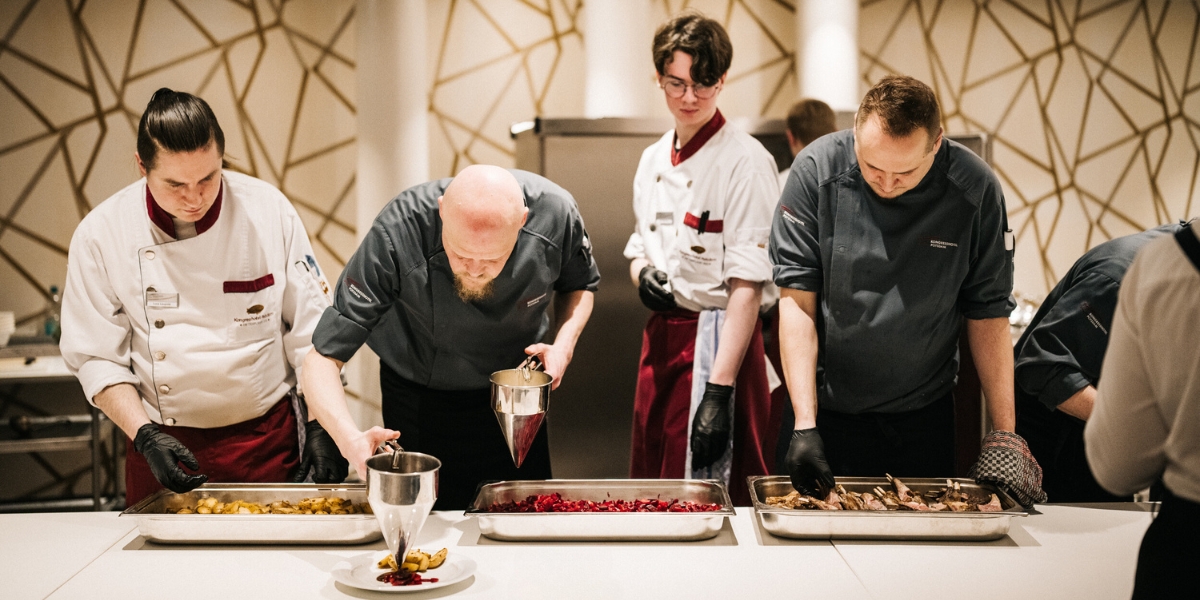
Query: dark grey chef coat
[
  {"x": 894, "y": 277},
  {"x": 1061, "y": 351},
  {"x": 397, "y": 291}
]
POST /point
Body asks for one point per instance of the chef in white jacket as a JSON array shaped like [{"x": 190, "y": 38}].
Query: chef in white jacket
[
  {"x": 704, "y": 195},
  {"x": 190, "y": 302}
]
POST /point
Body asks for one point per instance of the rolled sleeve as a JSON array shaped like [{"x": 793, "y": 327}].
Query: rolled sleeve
[
  {"x": 987, "y": 291},
  {"x": 795, "y": 250},
  {"x": 96, "y": 334},
  {"x": 337, "y": 336},
  {"x": 748, "y": 223}
]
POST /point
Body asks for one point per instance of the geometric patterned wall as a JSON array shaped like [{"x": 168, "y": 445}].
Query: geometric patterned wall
[{"x": 1093, "y": 107}]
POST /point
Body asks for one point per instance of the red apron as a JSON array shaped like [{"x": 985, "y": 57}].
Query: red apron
[
  {"x": 262, "y": 450},
  {"x": 661, "y": 431}
]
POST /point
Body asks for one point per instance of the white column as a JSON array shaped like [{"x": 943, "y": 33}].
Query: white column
[
  {"x": 393, "y": 140},
  {"x": 827, "y": 52},
  {"x": 619, "y": 68}
]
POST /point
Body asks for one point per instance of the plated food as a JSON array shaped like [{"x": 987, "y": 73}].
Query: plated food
[
  {"x": 554, "y": 502},
  {"x": 306, "y": 506},
  {"x": 409, "y": 571},
  {"x": 949, "y": 498}
]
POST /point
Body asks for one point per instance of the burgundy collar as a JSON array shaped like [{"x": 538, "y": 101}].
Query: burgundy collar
[
  {"x": 162, "y": 218},
  {"x": 706, "y": 132}
]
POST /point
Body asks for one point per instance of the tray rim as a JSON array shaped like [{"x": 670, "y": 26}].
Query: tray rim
[
  {"x": 726, "y": 510},
  {"x": 1016, "y": 510},
  {"x": 139, "y": 510}
]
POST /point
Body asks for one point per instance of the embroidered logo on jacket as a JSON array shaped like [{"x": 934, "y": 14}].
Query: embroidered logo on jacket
[
  {"x": 941, "y": 244},
  {"x": 353, "y": 287},
  {"x": 254, "y": 310}
]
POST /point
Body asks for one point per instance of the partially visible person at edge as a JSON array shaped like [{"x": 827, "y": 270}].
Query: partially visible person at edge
[
  {"x": 452, "y": 283},
  {"x": 1058, "y": 361},
  {"x": 886, "y": 237},
  {"x": 807, "y": 120},
  {"x": 190, "y": 303},
  {"x": 1145, "y": 425},
  {"x": 702, "y": 199}
]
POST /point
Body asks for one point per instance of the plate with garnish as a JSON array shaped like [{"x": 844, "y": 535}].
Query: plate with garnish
[{"x": 380, "y": 573}]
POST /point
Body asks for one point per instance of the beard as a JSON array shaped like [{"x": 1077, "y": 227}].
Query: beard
[{"x": 479, "y": 294}]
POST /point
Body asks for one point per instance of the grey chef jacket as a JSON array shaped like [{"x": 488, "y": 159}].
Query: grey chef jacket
[
  {"x": 397, "y": 291},
  {"x": 1061, "y": 351},
  {"x": 893, "y": 277}
]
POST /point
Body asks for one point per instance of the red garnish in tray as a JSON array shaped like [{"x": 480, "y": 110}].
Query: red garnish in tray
[
  {"x": 402, "y": 577},
  {"x": 543, "y": 503}
]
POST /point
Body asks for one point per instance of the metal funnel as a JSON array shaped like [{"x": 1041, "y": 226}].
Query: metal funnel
[
  {"x": 401, "y": 489},
  {"x": 520, "y": 398}
]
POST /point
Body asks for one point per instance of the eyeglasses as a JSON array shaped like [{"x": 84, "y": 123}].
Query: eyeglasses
[{"x": 676, "y": 88}]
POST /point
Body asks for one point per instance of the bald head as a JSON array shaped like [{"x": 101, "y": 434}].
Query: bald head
[{"x": 482, "y": 210}]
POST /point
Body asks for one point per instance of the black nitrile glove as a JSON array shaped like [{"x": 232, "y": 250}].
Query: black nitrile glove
[
  {"x": 1006, "y": 462},
  {"x": 806, "y": 463},
  {"x": 164, "y": 453},
  {"x": 652, "y": 290},
  {"x": 322, "y": 456},
  {"x": 711, "y": 425}
]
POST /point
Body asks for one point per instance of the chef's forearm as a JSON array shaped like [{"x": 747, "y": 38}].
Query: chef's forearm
[
  {"x": 740, "y": 316},
  {"x": 798, "y": 352},
  {"x": 635, "y": 270},
  {"x": 572, "y": 311},
  {"x": 991, "y": 349},
  {"x": 123, "y": 406},
  {"x": 325, "y": 397},
  {"x": 1080, "y": 404}
]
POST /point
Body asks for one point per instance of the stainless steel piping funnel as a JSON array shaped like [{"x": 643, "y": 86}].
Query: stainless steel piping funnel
[
  {"x": 520, "y": 398},
  {"x": 402, "y": 487}
]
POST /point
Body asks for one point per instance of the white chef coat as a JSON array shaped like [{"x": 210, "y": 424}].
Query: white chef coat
[
  {"x": 733, "y": 178},
  {"x": 211, "y": 330}
]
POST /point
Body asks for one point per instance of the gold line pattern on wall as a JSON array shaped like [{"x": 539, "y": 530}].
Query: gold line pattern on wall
[{"x": 1093, "y": 107}]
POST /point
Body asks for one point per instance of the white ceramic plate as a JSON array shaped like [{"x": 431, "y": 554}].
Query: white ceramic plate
[{"x": 360, "y": 572}]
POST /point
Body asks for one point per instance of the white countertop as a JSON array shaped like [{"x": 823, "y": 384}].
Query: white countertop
[{"x": 1065, "y": 551}]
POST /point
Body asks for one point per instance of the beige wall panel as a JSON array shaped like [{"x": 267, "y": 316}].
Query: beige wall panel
[
  {"x": 221, "y": 20},
  {"x": 115, "y": 166},
  {"x": 52, "y": 265}
]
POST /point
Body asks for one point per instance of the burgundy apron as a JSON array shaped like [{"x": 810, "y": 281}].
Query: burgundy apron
[
  {"x": 661, "y": 430},
  {"x": 265, "y": 449}
]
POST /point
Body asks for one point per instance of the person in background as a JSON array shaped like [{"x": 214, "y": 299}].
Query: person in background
[
  {"x": 452, "y": 283},
  {"x": 885, "y": 238},
  {"x": 190, "y": 303},
  {"x": 1058, "y": 361},
  {"x": 1145, "y": 425},
  {"x": 807, "y": 120},
  {"x": 702, "y": 199}
]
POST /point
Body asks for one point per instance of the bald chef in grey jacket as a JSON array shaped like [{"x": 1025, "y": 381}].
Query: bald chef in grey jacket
[{"x": 452, "y": 283}]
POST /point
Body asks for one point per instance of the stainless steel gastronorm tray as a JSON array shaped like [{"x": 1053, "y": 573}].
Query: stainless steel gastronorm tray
[
  {"x": 899, "y": 525},
  {"x": 602, "y": 526},
  {"x": 157, "y": 525}
]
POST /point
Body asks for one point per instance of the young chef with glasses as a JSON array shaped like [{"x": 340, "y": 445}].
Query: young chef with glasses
[
  {"x": 190, "y": 302},
  {"x": 702, "y": 198}
]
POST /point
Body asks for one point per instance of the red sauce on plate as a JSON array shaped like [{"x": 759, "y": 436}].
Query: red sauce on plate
[{"x": 402, "y": 577}]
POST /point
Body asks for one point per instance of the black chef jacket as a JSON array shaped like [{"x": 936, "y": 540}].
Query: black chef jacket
[
  {"x": 397, "y": 291},
  {"x": 894, "y": 277}
]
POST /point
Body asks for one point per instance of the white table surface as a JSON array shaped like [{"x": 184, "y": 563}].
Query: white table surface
[{"x": 1063, "y": 552}]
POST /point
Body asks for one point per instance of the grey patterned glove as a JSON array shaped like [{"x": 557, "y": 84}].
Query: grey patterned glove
[{"x": 1006, "y": 462}]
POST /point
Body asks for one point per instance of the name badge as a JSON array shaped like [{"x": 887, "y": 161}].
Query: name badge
[{"x": 162, "y": 300}]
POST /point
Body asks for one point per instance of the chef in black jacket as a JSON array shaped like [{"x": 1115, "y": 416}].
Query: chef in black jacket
[{"x": 1058, "y": 362}]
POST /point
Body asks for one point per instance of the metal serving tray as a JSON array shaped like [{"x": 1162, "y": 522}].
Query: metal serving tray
[
  {"x": 602, "y": 526},
  {"x": 157, "y": 525},
  {"x": 899, "y": 525}
]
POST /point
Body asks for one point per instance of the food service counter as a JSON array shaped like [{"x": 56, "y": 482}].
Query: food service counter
[{"x": 1058, "y": 551}]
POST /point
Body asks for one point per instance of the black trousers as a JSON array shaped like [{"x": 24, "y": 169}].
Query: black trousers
[
  {"x": 1168, "y": 558},
  {"x": 460, "y": 429},
  {"x": 917, "y": 443},
  {"x": 1056, "y": 441}
]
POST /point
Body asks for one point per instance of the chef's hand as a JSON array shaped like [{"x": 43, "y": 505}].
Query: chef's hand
[
  {"x": 806, "y": 463},
  {"x": 653, "y": 291},
  {"x": 554, "y": 361},
  {"x": 362, "y": 446},
  {"x": 711, "y": 425},
  {"x": 164, "y": 453},
  {"x": 321, "y": 456},
  {"x": 1006, "y": 462}
]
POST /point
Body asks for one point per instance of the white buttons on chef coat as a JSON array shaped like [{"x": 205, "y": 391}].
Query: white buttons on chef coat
[
  {"x": 159, "y": 324},
  {"x": 149, "y": 255},
  {"x": 653, "y": 227},
  {"x": 168, "y": 421},
  {"x": 160, "y": 355},
  {"x": 162, "y": 389}
]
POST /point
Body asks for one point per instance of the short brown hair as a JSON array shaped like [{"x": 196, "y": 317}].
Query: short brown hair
[
  {"x": 810, "y": 119},
  {"x": 903, "y": 104},
  {"x": 701, "y": 38}
]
